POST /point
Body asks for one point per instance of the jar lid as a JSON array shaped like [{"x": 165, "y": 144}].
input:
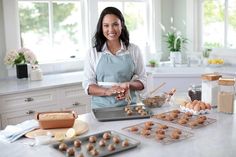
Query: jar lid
[
  {"x": 211, "y": 76},
  {"x": 226, "y": 81}
]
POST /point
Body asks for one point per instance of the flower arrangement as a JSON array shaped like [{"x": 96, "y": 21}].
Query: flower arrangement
[
  {"x": 20, "y": 56},
  {"x": 174, "y": 39}
]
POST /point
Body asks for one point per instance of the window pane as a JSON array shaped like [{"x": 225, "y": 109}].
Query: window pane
[
  {"x": 134, "y": 14},
  {"x": 34, "y": 27},
  {"x": 231, "y": 41},
  {"x": 213, "y": 23},
  {"x": 54, "y": 32}
]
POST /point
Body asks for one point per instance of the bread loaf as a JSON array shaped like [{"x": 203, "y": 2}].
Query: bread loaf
[{"x": 55, "y": 116}]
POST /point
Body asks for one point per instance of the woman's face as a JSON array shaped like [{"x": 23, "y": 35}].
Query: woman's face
[{"x": 111, "y": 27}]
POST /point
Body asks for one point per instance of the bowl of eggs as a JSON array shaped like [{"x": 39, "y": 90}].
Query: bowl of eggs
[{"x": 196, "y": 107}]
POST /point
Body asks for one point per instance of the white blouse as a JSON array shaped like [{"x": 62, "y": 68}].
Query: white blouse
[{"x": 93, "y": 57}]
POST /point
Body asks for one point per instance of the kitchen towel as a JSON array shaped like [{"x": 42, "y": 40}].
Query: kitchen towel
[{"x": 14, "y": 132}]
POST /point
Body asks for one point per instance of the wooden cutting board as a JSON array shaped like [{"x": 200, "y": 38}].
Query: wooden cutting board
[{"x": 79, "y": 126}]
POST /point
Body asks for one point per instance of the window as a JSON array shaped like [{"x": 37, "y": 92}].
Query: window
[
  {"x": 135, "y": 14},
  {"x": 51, "y": 27},
  {"x": 219, "y": 23}
]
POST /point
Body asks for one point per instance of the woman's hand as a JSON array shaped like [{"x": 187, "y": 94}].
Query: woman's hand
[
  {"x": 125, "y": 86},
  {"x": 114, "y": 90}
]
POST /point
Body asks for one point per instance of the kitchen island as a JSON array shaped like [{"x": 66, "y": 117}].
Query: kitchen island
[{"x": 215, "y": 140}]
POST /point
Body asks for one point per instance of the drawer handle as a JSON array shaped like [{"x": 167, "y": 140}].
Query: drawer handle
[
  {"x": 30, "y": 112},
  {"x": 76, "y": 104},
  {"x": 29, "y": 99}
]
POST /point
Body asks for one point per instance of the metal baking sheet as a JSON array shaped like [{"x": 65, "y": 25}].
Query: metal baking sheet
[
  {"x": 102, "y": 151},
  {"x": 153, "y": 132},
  {"x": 191, "y": 119},
  {"x": 118, "y": 113}
]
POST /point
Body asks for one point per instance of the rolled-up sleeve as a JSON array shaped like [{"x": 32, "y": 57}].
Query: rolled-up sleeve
[
  {"x": 140, "y": 70},
  {"x": 89, "y": 70}
]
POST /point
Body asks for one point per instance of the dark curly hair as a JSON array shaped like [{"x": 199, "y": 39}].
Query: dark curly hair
[{"x": 99, "y": 39}]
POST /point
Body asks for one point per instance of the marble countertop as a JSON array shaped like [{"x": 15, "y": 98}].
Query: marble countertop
[
  {"x": 192, "y": 71},
  {"x": 13, "y": 85},
  {"x": 215, "y": 140}
]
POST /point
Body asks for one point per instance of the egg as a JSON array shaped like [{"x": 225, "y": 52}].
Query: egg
[
  {"x": 208, "y": 106},
  {"x": 202, "y": 106},
  {"x": 197, "y": 107},
  {"x": 188, "y": 105}
]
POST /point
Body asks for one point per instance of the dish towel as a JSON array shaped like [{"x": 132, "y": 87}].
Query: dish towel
[{"x": 14, "y": 132}]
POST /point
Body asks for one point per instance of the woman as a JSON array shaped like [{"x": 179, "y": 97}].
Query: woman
[{"x": 112, "y": 63}]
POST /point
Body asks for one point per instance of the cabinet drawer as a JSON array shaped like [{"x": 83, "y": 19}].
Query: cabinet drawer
[
  {"x": 28, "y": 99},
  {"x": 13, "y": 118}
]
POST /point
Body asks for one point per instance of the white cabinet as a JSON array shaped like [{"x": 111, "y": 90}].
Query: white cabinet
[
  {"x": 18, "y": 107},
  {"x": 74, "y": 98}
]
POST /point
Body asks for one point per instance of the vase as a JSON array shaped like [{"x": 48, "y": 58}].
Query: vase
[
  {"x": 176, "y": 57},
  {"x": 21, "y": 71}
]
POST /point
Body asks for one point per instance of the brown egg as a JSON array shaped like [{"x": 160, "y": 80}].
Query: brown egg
[
  {"x": 116, "y": 139},
  {"x": 160, "y": 136},
  {"x": 77, "y": 143},
  {"x": 196, "y": 108},
  {"x": 70, "y": 152},
  {"x": 106, "y": 136},
  {"x": 102, "y": 143},
  {"x": 111, "y": 147},
  {"x": 208, "y": 106},
  {"x": 92, "y": 139},
  {"x": 125, "y": 143},
  {"x": 62, "y": 147},
  {"x": 89, "y": 146},
  {"x": 202, "y": 106},
  {"x": 191, "y": 106},
  {"x": 195, "y": 102}
]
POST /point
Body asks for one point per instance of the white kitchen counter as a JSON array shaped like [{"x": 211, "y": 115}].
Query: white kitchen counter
[
  {"x": 13, "y": 85},
  {"x": 215, "y": 140}
]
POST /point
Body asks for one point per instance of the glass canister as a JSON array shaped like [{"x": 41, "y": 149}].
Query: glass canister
[
  {"x": 195, "y": 92},
  {"x": 226, "y": 95},
  {"x": 210, "y": 88}
]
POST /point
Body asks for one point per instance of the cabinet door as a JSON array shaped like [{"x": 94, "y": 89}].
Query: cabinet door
[
  {"x": 16, "y": 117},
  {"x": 73, "y": 97},
  {"x": 13, "y": 102}
]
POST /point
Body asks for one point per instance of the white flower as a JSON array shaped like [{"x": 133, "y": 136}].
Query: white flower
[
  {"x": 10, "y": 57},
  {"x": 20, "y": 56}
]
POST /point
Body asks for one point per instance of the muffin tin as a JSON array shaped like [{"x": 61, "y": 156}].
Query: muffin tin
[
  {"x": 161, "y": 133},
  {"x": 91, "y": 145},
  {"x": 121, "y": 113},
  {"x": 186, "y": 119}
]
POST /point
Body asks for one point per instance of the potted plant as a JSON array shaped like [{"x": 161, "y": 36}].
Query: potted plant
[
  {"x": 20, "y": 58},
  {"x": 175, "y": 42},
  {"x": 152, "y": 63}
]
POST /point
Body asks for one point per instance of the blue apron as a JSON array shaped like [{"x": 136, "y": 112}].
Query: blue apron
[{"x": 112, "y": 68}]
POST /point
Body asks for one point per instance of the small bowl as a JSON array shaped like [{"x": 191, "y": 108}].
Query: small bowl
[{"x": 156, "y": 101}]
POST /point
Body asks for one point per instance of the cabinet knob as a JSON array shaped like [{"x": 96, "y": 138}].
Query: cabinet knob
[
  {"x": 29, "y": 99},
  {"x": 30, "y": 112},
  {"x": 76, "y": 104}
]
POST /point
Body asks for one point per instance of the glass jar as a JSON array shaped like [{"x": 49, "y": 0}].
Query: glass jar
[
  {"x": 210, "y": 88},
  {"x": 195, "y": 92},
  {"x": 226, "y": 95}
]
